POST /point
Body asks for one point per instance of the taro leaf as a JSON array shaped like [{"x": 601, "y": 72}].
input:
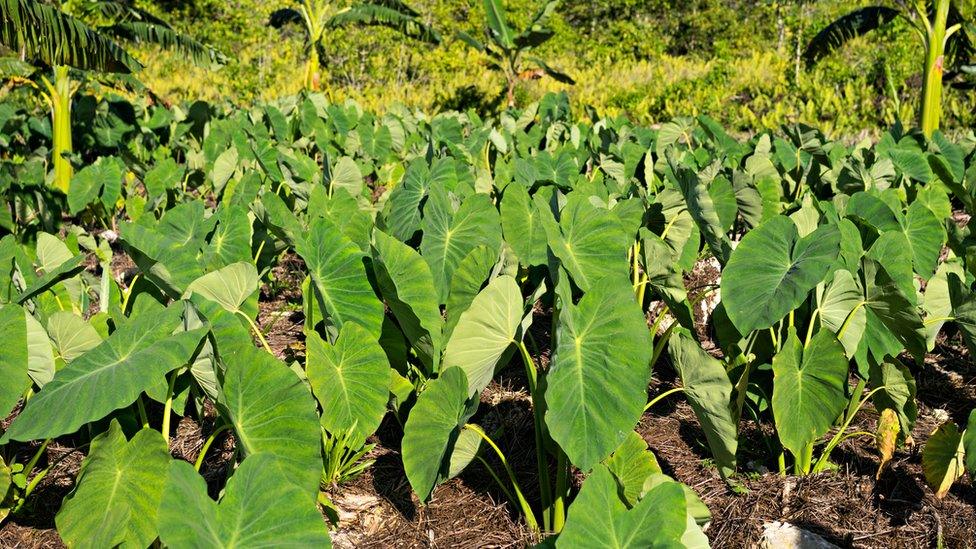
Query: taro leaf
[
  {"x": 889, "y": 310},
  {"x": 448, "y": 237},
  {"x": 257, "y": 510},
  {"x": 466, "y": 448},
  {"x": 808, "y": 388},
  {"x": 894, "y": 252},
  {"x": 937, "y": 302},
  {"x": 588, "y": 243},
  {"x": 926, "y": 234},
  {"x": 943, "y": 458},
  {"x": 873, "y": 211},
  {"x": 886, "y": 438},
  {"x": 485, "y": 332},
  {"x": 231, "y": 240},
  {"x": 117, "y": 494},
  {"x": 13, "y": 357},
  {"x": 596, "y": 387},
  {"x": 346, "y": 175},
  {"x": 407, "y": 286},
  {"x": 71, "y": 335},
  {"x": 344, "y": 211},
  {"x": 165, "y": 175},
  {"x": 351, "y": 381},
  {"x": 598, "y": 518},
  {"x": 229, "y": 287},
  {"x": 272, "y": 411},
  {"x": 468, "y": 278},
  {"x": 522, "y": 226},
  {"x": 709, "y": 392},
  {"x": 335, "y": 264},
  {"x": 664, "y": 277},
  {"x": 772, "y": 270},
  {"x": 896, "y": 392},
  {"x": 631, "y": 463},
  {"x": 40, "y": 354},
  {"x": 431, "y": 431},
  {"x": 50, "y": 278},
  {"x": 703, "y": 210},
  {"x": 841, "y": 310},
  {"x": 110, "y": 376}
]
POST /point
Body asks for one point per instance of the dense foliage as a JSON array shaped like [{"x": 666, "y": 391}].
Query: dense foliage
[
  {"x": 739, "y": 62},
  {"x": 434, "y": 247}
]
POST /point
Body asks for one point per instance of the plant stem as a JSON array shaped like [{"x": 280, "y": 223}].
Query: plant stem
[
  {"x": 37, "y": 457},
  {"x": 661, "y": 342},
  {"x": 142, "y": 413},
  {"x": 825, "y": 455},
  {"x": 257, "y": 332},
  {"x": 206, "y": 445},
  {"x": 562, "y": 489},
  {"x": 60, "y": 94},
  {"x": 168, "y": 407},
  {"x": 522, "y": 502},
  {"x": 545, "y": 493},
  {"x": 662, "y": 396},
  {"x": 935, "y": 41}
]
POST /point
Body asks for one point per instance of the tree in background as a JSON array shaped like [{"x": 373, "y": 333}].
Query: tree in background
[
  {"x": 943, "y": 31},
  {"x": 317, "y": 16},
  {"x": 55, "y": 38},
  {"x": 506, "y": 50}
]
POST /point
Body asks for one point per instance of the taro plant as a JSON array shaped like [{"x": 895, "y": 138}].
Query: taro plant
[
  {"x": 508, "y": 51},
  {"x": 946, "y": 38},
  {"x": 59, "y": 40},
  {"x": 317, "y": 17}
]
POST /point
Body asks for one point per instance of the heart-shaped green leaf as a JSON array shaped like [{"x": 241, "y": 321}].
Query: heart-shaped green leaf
[
  {"x": 808, "y": 388},
  {"x": 405, "y": 281},
  {"x": 351, "y": 380},
  {"x": 256, "y": 510},
  {"x": 272, "y": 411},
  {"x": 772, "y": 270},
  {"x": 485, "y": 332},
  {"x": 229, "y": 286},
  {"x": 13, "y": 357},
  {"x": 597, "y": 383},
  {"x": 117, "y": 493},
  {"x": 431, "y": 431},
  {"x": 943, "y": 458}
]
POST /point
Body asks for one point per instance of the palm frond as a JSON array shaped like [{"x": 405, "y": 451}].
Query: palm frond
[
  {"x": 120, "y": 11},
  {"x": 498, "y": 27},
  {"x": 396, "y": 5},
  {"x": 960, "y": 48},
  {"x": 376, "y": 15},
  {"x": 841, "y": 31},
  {"x": 50, "y": 37},
  {"x": 165, "y": 37}
]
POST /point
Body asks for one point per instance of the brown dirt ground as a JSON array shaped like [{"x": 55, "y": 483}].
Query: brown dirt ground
[{"x": 848, "y": 507}]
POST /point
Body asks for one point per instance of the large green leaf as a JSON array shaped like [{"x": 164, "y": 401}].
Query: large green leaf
[
  {"x": 431, "y": 431},
  {"x": 109, "y": 376},
  {"x": 335, "y": 264},
  {"x": 522, "y": 226},
  {"x": 943, "y": 458},
  {"x": 467, "y": 281},
  {"x": 598, "y": 518},
  {"x": 117, "y": 494},
  {"x": 709, "y": 392},
  {"x": 705, "y": 213},
  {"x": 256, "y": 510},
  {"x": 808, "y": 388},
  {"x": 406, "y": 283},
  {"x": 13, "y": 357},
  {"x": 71, "y": 335},
  {"x": 449, "y": 237},
  {"x": 926, "y": 234},
  {"x": 498, "y": 25},
  {"x": 272, "y": 411},
  {"x": 631, "y": 463},
  {"x": 841, "y": 310},
  {"x": 485, "y": 332},
  {"x": 597, "y": 385},
  {"x": 772, "y": 270},
  {"x": 351, "y": 380},
  {"x": 229, "y": 287},
  {"x": 888, "y": 309},
  {"x": 40, "y": 354},
  {"x": 588, "y": 241}
]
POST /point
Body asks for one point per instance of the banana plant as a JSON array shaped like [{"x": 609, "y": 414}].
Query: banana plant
[
  {"x": 508, "y": 52},
  {"x": 58, "y": 38},
  {"x": 319, "y": 16},
  {"x": 946, "y": 37}
]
